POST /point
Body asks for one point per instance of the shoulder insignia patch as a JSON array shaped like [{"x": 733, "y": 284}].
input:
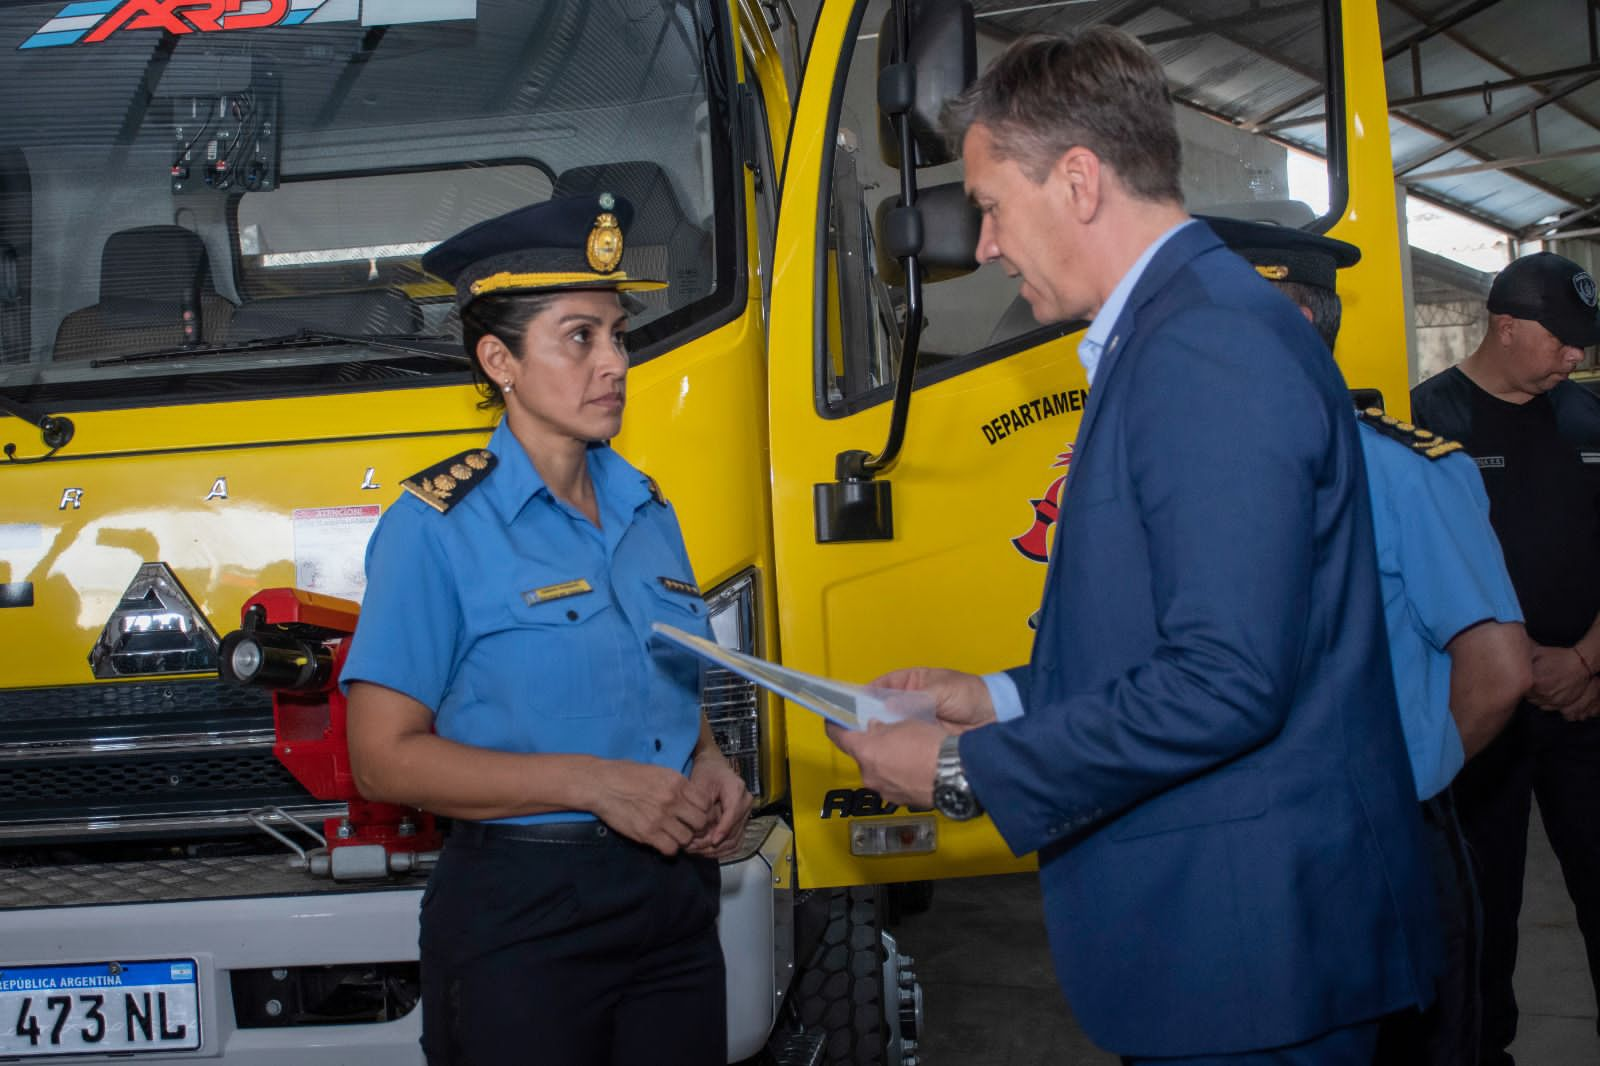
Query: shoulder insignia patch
[
  {"x": 445, "y": 484},
  {"x": 672, "y": 584},
  {"x": 1424, "y": 442}
]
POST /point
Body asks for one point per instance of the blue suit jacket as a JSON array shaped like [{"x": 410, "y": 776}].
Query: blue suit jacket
[{"x": 1211, "y": 766}]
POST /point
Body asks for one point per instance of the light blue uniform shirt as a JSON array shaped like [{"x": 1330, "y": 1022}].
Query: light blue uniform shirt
[
  {"x": 1441, "y": 572},
  {"x": 453, "y": 617},
  {"x": 1091, "y": 347}
]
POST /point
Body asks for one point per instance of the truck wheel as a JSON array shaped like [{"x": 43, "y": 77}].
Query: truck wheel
[
  {"x": 839, "y": 993},
  {"x": 908, "y": 898}
]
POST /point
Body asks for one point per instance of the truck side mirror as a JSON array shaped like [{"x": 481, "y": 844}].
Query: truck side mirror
[
  {"x": 942, "y": 233},
  {"x": 927, "y": 53},
  {"x": 942, "y": 61}
]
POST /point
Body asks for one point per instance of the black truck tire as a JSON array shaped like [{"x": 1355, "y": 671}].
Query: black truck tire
[{"x": 839, "y": 992}]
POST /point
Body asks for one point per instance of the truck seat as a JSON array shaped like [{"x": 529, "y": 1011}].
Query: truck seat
[
  {"x": 662, "y": 242},
  {"x": 150, "y": 276},
  {"x": 366, "y": 312}
]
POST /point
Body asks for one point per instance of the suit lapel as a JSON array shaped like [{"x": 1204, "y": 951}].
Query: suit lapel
[{"x": 1179, "y": 250}]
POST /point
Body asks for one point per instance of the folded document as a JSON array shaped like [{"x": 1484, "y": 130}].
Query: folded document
[{"x": 852, "y": 706}]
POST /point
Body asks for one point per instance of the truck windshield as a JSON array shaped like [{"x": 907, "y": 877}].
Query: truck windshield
[{"x": 219, "y": 199}]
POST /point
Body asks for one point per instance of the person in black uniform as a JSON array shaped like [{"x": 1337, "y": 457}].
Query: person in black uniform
[
  {"x": 1536, "y": 439},
  {"x": 503, "y": 674}
]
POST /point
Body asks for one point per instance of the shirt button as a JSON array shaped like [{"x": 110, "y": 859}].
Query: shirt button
[
  {"x": 572, "y": 616},
  {"x": 658, "y": 743}
]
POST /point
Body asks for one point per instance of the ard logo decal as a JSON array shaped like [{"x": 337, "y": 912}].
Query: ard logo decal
[
  {"x": 1035, "y": 543},
  {"x": 93, "y": 21}
]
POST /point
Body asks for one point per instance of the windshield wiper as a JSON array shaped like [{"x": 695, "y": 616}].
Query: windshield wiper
[
  {"x": 305, "y": 338},
  {"x": 56, "y": 430}
]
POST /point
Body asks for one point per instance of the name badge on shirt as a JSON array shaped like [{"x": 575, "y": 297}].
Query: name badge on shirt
[
  {"x": 672, "y": 584},
  {"x": 557, "y": 592},
  {"x": 1490, "y": 462},
  {"x": 1590, "y": 457}
]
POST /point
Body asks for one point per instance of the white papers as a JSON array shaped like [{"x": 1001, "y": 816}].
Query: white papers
[{"x": 852, "y": 706}]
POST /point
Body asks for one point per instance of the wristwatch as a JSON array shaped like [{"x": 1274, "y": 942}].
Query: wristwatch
[{"x": 952, "y": 794}]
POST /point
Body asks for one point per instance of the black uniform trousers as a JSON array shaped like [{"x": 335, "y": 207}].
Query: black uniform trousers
[
  {"x": 1539, "y": 754},
  {"x": 593, "y": 951},
  {"x": 1447, "y": 1033}
]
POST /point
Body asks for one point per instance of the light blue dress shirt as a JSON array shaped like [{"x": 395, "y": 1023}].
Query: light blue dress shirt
[
  {"x": 1091, "y": 347},
  {"x": 454, "y": 617},
  {"x": 1441, "y": 572}
]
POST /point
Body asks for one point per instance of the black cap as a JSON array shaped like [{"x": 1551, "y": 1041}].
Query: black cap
[
  {"x": 571, "y": 243},
  {"x": 1280, "y": 253},
  {"x": 1551, "y": 290}
]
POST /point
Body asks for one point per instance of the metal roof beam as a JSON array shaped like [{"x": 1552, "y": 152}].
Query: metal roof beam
[
  {"x": 1494, "y": 122},
  {"x": 1567, "y": 235},
  {"x": 1433, "y": 29},
  {"x": 1428, "y": 98},
  {"x": 1494, "y": 86},
  {"x": 1564, "y": 195},
  {"x": 1503, "y": 164},
  {"x": 1544, "y": 230},
  {"x": 1221, "y": 26},
  {"x": 1472, "y": 49}
]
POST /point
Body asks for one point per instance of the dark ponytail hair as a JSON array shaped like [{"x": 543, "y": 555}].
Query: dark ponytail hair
[{"x": 507, "y": 318}]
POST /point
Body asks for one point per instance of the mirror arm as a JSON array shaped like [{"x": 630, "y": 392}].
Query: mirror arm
[{"x": 899, "y": 83}]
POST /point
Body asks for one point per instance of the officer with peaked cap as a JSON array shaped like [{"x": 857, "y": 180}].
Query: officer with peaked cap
[
  {"x": 502, "y": 675},
  {"x": 1536, "y": 438},
  {"x": 1457, "y": 647}
]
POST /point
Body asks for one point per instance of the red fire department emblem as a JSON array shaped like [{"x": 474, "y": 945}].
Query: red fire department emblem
[{"x": 1035, "y": 543}]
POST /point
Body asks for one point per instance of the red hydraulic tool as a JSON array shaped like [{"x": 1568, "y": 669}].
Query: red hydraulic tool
[{"x": 294, "y": 643}]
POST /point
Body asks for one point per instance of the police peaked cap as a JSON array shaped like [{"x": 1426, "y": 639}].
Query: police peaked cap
[
  {"x": 571, "y": 243},
  {"x": 1281, "y": 253}
]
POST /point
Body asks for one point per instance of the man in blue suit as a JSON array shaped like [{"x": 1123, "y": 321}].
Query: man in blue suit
[{"x": 1205, "y": 749}]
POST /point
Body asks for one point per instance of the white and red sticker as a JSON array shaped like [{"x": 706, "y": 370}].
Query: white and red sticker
[{"x": 330, "y": 549}]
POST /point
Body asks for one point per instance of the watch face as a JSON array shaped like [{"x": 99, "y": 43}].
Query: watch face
[{"x": 954, "y": 803}]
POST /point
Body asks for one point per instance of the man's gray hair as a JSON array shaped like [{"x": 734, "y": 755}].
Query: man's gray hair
[{"x": 1100, "y": 89}]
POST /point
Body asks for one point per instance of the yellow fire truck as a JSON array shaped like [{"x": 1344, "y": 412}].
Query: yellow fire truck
[{"x": 219, "y": 356}]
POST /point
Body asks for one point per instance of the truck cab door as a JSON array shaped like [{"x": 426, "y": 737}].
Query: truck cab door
[{"x": 973, "y": 493}]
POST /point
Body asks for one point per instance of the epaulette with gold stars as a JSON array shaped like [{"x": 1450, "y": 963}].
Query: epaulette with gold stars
[
  {"x": 445, "y": 484},
  {"x": 1424, "y": 442},
  {"x": 655, "y": 491}
]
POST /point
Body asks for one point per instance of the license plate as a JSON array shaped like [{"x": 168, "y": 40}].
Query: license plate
[{"x": 101, "y": 1008}]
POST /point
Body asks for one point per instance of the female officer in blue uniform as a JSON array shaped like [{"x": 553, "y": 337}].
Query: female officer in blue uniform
[{"x": 502, "y": 674}]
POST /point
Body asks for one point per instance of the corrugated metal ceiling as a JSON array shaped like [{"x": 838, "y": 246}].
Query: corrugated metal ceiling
[
  {"x": 1495, "y": 109},
  {"x": 1494, "y": 104}
]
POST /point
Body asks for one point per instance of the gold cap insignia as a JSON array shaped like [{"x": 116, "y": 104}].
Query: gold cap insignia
[
  {"x": 1272, "y": 273},
  {"x": 605, "y": 243}
]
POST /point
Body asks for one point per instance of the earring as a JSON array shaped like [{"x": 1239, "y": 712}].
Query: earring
[{"x": 506, "y": 387}]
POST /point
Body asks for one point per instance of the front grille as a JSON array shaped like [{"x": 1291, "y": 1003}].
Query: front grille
[
  {"x": 147, "y": 776},
  {"x": 204, "y": 699},
  {"x": 733, "y": 708},
  {"x": 243, "y": 773}
]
